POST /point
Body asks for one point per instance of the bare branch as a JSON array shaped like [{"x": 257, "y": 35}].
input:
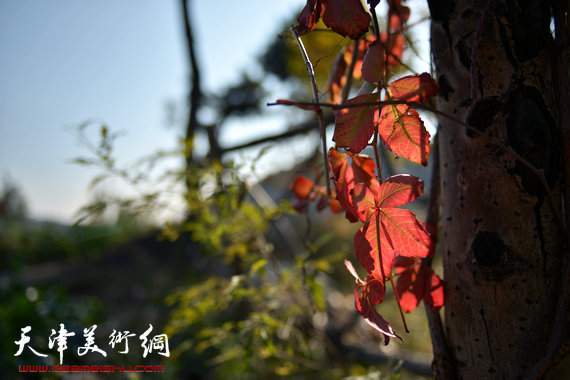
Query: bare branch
[
  {"x": 301, "y": 129},
  {"x": 319, "y": 112},
  {"x": 196, "y": 90}
]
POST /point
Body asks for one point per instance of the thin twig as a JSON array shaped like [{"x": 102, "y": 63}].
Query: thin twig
[
  {"x": 196, "y": 91},
  {"x": 319, "y": 112},
  {"x": 300, "y": 129}
]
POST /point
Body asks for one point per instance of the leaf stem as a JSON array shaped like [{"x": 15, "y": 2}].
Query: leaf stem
[
  {"x": 320, "y": 115},
  {"x": 398, "y": 302},
  {"x": 375, "y": 21}
]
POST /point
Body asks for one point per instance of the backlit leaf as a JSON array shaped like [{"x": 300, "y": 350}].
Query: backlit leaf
[
  {"x": 337, "y": 79},
  {"x": 346, "y": 17},
  {"x": 302, "y": 187},
  {"x": 388, "y": 232},
  {"x": 309, "y": 17},
  {"x": 399, "y": 190},
  {"x": 394, "y": 191},
  {"x": 367, "y": 241},
  {"x": 394, "y": 47},
  {"x": 355, "y": 126},
  {"x": 398, "y": 15},
  {"x": 405, "y": 234},
  {"x": 373, "y": 63},
  {"x": 372, "y": 294},
  {"x": 419, "y": 282},
  {"x": 404, "y": 133},
  {"x": 414, "y": 88},
  {"x": 349, "y": 170}
]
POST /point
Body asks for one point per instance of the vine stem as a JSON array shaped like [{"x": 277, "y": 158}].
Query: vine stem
[
  {"x": 319, "y": 111},
  {"x": 375, "y": 143},
  {"x": 399, "y": 306}
]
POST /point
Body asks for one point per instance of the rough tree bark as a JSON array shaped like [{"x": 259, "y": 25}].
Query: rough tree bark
[{"x": 502, "y": 244}]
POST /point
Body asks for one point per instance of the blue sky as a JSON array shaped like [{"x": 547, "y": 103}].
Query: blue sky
[{"x": 63, "y": 62}]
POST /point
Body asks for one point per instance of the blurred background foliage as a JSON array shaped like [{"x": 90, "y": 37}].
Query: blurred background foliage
[{"x": 243, "y": 286}]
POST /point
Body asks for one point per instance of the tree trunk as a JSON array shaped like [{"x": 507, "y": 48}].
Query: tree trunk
[{"x": 502, "y": 244}]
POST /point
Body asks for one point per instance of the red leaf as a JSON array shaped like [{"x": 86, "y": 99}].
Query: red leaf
[
  {"x": 404, "y": 233},
  {"x": 398, "y": 15},
  {"x": 364, "y": 201},
  {"x": 363, "y": 44},
  {"x": 414, "y": 88},
  {"x": 399, "y": 190},
  {"x": 435, "y": 296},
  {"x": 376, "y": 262},
  {"x": 394, "y": 46},
  {"x": 419, "y": 282},
  {"x": 401, "y": 263},
  {"x": 410, "y": 288},
  {"x": 373, "y": 63},
  {"x": 372, "y": 293},
  {"x": 337, "y": 78},
  {"x": 346, "y": 17},
  {"x": 394, "y": 191},
  {"x": 387, "y": 232},
  {"x": 350, "y": 268},
  {"x": 302, "y": 187},
  {"x": 309, "y": 17},
  {"x": 348, "y": 170},
  {"x": 355, "y": 126},
  {"x": 404, "y": 133}
]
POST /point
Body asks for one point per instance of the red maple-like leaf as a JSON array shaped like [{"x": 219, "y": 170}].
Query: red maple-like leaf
[
  {"x": 349, "y": 170},
  {"x": 403, "y": 132},
  {"x": 394, "y": 47},
  {"x": 354, "y": 126},
  {"x": 414, "y": 88},
  {"x": 398, "y": 15},
  {"x": 337, "y": 79},
  {"x": 309, "y": 17},
  {"x": 367, "y": 294},
  {"x": 302, "y": 187},
  {"x": 388, "y": 231},
  {"x": 418, "y": 282},
  {"x": 345, "y": 17},
  {"x": 307, "y": 192},
  {"x": 373, "y": 63}
]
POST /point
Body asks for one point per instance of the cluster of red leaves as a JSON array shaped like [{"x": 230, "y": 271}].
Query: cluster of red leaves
[
  {"x": 417, "y": 282},
  {"x": 306, "y": 192},
  {"x": 390, "y": 237},
  {"x": 399, "y": 126},
  {"x": 392, "y": 43},
  {"x": 388, "y": 233},
  {"x": 346, "y": 17}
]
